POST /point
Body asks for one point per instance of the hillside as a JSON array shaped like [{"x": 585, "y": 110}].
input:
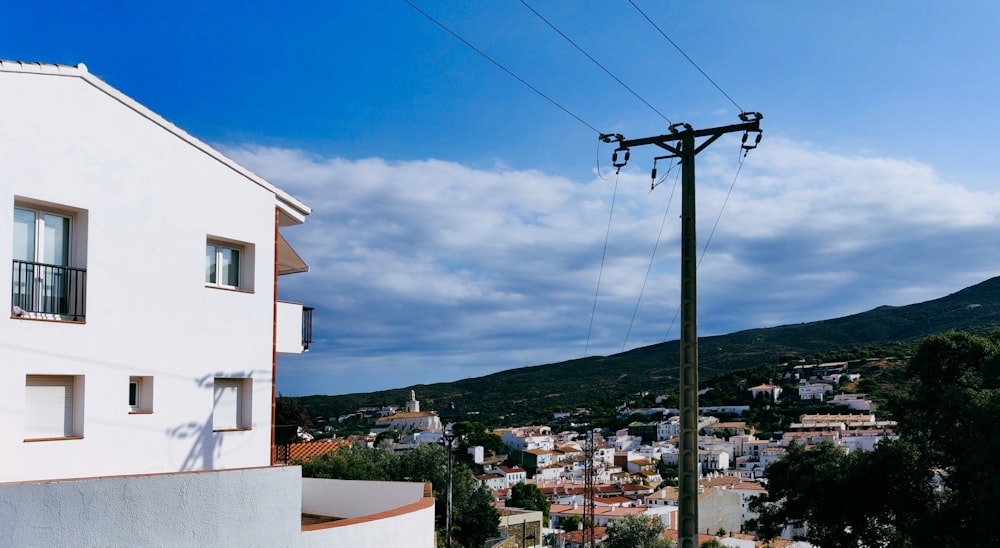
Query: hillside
[{"x": 528, "y": 393}]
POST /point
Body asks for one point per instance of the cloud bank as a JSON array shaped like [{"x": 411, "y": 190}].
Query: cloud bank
[{"x": 430, "y": 271}]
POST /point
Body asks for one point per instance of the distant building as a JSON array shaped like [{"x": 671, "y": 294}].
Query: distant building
[{"x": 768, "y": 391}]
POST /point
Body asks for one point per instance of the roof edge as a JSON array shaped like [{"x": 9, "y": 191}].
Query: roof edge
[{"x": 285, "y": 201}]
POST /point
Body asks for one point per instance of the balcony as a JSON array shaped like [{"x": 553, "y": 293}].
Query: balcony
[
  {"x": 45, "y": 291},
  {"x": 294, "y": 329}
]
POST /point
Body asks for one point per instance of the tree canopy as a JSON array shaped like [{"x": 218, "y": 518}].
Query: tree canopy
[
  {"x": 529, "y": 497},
  {"x": 637, "y": 531}
]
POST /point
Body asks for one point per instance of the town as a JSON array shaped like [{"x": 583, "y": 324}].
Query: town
[{"x": 632, "y": 468}]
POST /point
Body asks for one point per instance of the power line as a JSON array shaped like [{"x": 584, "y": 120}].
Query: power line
[
  {"x": 500, "y": 66},
  {"x": 600, "y": 273},
  {"x": 649, "y": 268},
  {"x": 678, "y": 48},
  {"x": 595, "y": 61}
]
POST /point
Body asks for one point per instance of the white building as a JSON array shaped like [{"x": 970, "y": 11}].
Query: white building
[{"x": 142, "y": 341}]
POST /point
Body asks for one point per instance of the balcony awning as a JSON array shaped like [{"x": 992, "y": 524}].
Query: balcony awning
[{"x": 289, "y": 261}]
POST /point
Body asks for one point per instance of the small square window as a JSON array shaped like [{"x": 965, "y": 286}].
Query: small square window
[
  {"x": 140, "y": 394},
  {"x": 231, "y": 405},
  {"x": 228, "y": 265}
]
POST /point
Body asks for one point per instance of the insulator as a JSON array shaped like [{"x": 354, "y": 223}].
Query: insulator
[
  {"x": 653, "y": 176},
  {"x": 614, "y": 157}
]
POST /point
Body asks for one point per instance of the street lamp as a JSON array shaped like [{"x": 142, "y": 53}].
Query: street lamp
[{"x": 449, "y": 438}]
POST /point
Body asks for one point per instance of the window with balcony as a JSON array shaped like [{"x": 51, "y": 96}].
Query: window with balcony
[
  {"x": 228, "y": 264},
  {"x": 231, "y": 407},
  {"x": 48, "y": 281},
  {"x": 53, "y": 407}
]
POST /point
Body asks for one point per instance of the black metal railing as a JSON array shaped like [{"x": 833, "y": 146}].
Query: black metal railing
[
  {"x": 49, "y": 290},
  {"x": 284, "y": 436},
  {"x": 307, "y": 326}
]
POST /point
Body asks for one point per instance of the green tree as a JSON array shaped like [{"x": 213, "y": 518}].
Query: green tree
[
  {"x": 351, "y": 463},
  {"x": 953, "y": 401},
  {"x": 288, "y": 411},
  {"x": 572, "y": 523},
  {"x": 857, "y": 499},
  {"x": 390, "y": 435},
  {"x": 712, "y": 543},
  {"x": 637, "y": 531},
  {"x": 529, "y": 497}
]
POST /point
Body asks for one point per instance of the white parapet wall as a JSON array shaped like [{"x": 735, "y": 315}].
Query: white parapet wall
[
  {"x": 375, "y": 513},
  {"x": 242, "y": 507}
]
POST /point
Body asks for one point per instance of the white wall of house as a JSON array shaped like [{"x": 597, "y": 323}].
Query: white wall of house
[
  {"x": 143, "y": 199},
  {"x": 247, "y": 507}
]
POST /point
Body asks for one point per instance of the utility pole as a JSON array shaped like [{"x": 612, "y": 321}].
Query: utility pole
[
  {"x": 589, "y": 540},
  {"x": 681, "y": 143}
]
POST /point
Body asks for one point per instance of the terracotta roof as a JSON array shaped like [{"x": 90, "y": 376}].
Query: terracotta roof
[
  {"x": 405, "y": 415},
  {"x": 313, "y": 449},
  {"x": 600, "y": 533}
]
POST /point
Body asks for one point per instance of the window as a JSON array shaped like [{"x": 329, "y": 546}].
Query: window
[
  {"x": 231, "y": 409},
  {"x": 47, "y": 278},
  {"x": 53, "y": 407},
  {"x": 140, "y": 394},
  {"x": 228, "y": 265}
]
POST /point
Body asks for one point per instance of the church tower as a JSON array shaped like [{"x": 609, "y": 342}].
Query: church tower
[{"x": 413, "y": 406}]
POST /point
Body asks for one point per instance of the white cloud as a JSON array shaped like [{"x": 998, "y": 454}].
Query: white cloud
[{"x": 431, "y": 271}]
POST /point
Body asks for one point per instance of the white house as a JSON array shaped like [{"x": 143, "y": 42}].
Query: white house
[
  {"x": 814, "y": 391},
  {"x": 140, "y": 355}
]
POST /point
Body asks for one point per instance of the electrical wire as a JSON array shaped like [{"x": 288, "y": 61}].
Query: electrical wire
[
  {"x": 595, "y": 61},
  {"x": 678, "y": 48},
  {"x": 722, "y": 209},
  {"x": 600, "y": 273},
  {"x": 500, "y": 66},
  {"x": 712, "y": 233},
  {"x": 599, "y": 174},
  {"x": 649, "y": 268}
]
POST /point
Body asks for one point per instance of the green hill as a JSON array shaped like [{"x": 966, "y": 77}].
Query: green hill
[{"x": 600, "y": 382}]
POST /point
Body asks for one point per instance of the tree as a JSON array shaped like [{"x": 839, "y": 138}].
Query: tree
[
  {"x": 954, "y": 399},
  {"x": 529, "y": 497},
  {"x": 637, "y": 531},
  {"x": 390, "y": 435},
  {"x": 572, "y": 523},
  {"x": 288, "y": 412},
  {"x": 351, "y": 463},
  {"x": 712, "y": 543}
]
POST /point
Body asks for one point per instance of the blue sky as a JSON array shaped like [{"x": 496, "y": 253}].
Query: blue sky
[{"x": 460, "y": 219}]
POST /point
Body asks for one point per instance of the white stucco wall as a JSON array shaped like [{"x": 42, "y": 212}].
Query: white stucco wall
[
  {"x": 289, "y": 328},
  {"x": 149, "y": 200},
  {"x": 353, "y": 499},
  {"x": 413, "y": 529},
  {"x": 350, "y": 499},
  {"x": 248, "y": 507}
]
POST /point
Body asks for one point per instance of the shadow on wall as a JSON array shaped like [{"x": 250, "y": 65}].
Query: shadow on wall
[{"x": 205, "y": 443}]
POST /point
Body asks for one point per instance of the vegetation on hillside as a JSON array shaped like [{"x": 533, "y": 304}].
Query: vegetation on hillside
[{"x": 601, "y": 384}]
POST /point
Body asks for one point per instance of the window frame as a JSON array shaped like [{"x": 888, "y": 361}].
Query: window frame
[
  {"x": 143, "y": 392},
  {"x": 53, "y": 287},
  {"x": 39, "y": 402},
  {"x": 215, "y": 259},
  {"x": 232, "y": 404}
]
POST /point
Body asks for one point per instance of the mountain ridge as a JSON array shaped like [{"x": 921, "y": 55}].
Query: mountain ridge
[{"x": 596, "y": 380}]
